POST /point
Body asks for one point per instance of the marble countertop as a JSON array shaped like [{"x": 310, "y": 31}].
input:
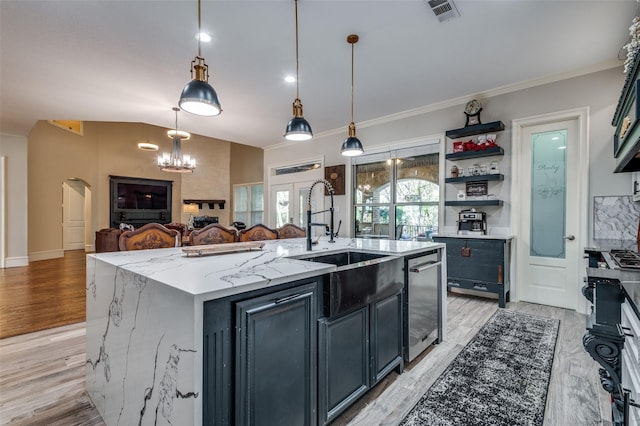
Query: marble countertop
[
  {"x": 476, "y": 236},
  {"x": 607, "y": 245},
  {"x": 216, "y": 276}
]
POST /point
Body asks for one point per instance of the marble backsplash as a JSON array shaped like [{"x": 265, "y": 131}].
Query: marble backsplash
[{"x": 615, "y": 218}]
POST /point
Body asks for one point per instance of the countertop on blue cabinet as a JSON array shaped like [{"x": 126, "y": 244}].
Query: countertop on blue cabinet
[
  {"x": 475, "y": 236},
  {"x": 215, "y": 276}
]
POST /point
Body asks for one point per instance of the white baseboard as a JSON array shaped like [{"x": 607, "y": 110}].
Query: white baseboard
[
  {"x": 44, "y": 255},
  {"x": 89, "y": 248},
  {"x": 12, "y": 262}
]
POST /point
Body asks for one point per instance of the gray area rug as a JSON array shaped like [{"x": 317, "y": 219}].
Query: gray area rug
[{"x": 500, "y": 378}]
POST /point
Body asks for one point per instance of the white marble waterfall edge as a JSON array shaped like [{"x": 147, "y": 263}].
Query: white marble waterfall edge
[{"x": 145, "y": 314}]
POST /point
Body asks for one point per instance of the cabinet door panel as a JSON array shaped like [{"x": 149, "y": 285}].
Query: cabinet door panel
[
  {"x": 275, "y": 358},
  {"x": 386, "y": 336},
  {"x": 344, "y": 361}
]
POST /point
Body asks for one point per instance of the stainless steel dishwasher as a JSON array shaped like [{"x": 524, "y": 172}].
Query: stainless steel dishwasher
[{"x": 423, "y": 278}]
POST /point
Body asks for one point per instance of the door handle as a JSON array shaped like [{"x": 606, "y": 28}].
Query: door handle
[{"x": 570, "y": 237}]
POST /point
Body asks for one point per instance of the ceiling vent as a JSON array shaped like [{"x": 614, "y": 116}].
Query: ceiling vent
[{"x": 444, "y": 9}]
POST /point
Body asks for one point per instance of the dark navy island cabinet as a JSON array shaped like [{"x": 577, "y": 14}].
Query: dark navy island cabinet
[
  {"x": 259, "y": 363},
  {"x": 478, "y": 264},
  {"x": 356, "y": 351},
  {"x": 271, "y": 357}
]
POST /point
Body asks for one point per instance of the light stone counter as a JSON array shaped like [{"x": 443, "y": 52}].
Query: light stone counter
[
  {"x": 145, "y": 314},
  {"x": 476, "y": 236}
]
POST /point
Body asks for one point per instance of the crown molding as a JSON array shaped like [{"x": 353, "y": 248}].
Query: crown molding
[{"x": 509, "y": 88}]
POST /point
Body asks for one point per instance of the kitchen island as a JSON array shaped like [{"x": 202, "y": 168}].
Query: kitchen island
[{"x": 146, "y": 360}]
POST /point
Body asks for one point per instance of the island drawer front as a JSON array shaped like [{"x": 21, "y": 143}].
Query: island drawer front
[{"x": 476, "y": 285}]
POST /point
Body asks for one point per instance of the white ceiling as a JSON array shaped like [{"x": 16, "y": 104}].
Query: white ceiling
[{"x": 119, "y": 60}]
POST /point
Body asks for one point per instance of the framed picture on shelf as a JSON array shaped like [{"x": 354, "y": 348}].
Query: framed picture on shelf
[{"x": 476, "y": 189}]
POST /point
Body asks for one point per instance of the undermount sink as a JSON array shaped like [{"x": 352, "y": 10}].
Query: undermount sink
[
  {"x": 360, "y": 278},
  {"x": 343, "y": 258}
]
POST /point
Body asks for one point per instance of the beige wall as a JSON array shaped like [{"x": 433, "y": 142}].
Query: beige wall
[
  {"x": 111, "y": 149},
  {"x": 599, "y": 91}
]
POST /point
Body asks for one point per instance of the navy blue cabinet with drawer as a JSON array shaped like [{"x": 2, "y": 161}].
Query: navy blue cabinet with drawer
[{"x": 478, "y": 264}]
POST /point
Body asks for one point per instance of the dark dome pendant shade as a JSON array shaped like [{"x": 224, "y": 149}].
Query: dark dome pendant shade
[
  {"x": 198, "y": 97},
  {"x": 298, "y": 129},
  {"x": 352, "y": 145}
]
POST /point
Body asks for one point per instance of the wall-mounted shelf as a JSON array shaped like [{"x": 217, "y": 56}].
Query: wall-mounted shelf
[
  {"x": 210, "y": 203},
  {"x": 473, "y": 203},
  {"x": 478, "y": 129},
  {"x": 489, "y": 152},
  {"x": 474, "y": 178}
]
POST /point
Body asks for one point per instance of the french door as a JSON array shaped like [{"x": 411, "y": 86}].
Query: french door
[{"x": 289, "y": 202}]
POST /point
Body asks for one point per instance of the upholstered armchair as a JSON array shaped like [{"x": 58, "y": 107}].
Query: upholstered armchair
[
  {"x": 213, "y": 234},
  {"x": 258, "y": 233},
  {"x": 149, "y": 236},
  {"x": 290, "y": 230}
]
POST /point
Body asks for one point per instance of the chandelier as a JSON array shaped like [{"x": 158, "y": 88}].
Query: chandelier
[{"x": 176, "y": 162}]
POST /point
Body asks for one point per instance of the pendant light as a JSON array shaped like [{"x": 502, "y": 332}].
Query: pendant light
[
  {"x": 198, "y": 97},
  {"x": 298, "y": 129},
  {"x": 352, "y": 145},
  {"x": 176, "y": 162}
]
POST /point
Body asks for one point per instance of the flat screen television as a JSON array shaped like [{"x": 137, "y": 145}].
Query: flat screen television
[
  {"x": 139, "y": 201},
  {"x": 141, "y": 196}
]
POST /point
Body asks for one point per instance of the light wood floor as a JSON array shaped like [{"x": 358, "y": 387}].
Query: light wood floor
[{"x": 42, "y": 373}]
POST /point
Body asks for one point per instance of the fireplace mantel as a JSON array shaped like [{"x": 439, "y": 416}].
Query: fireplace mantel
[{"x": 210, "y": 203}]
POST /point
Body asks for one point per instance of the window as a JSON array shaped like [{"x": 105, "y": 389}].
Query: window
[
  {"x": 248, "y": 203},
  {"x": 397, "y": 197}
]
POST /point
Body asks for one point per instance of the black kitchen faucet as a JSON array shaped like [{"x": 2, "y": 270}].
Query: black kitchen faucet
[{"x": 309, "y": 213}]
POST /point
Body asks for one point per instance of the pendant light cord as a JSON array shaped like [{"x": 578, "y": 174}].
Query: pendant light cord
[
  {"x": 352, "y": 81},
  {"x": 297, "y": 66},
  {"x": 199, "y": 36}
]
